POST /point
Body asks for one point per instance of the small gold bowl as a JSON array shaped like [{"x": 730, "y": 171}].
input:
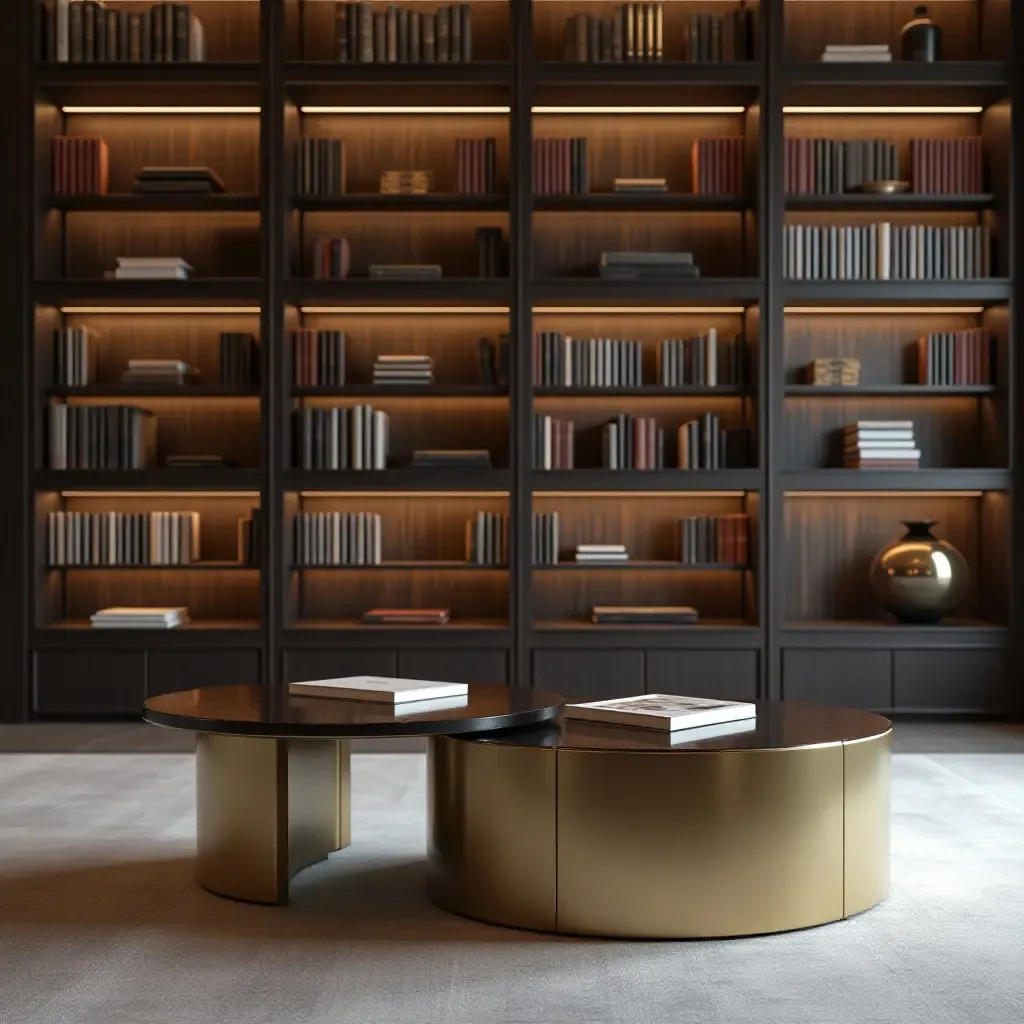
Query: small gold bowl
[{"x": 884, "y": 188}]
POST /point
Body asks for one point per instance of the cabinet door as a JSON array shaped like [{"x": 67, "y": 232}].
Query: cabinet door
[
  {"x": 446, "y": 666},
  {"x": 302, "y": 665},
  {"x": 168, "y": 671},
  {"x": 848, "y": 679},
  {"x": 89, "y": 682},
  {"x": 589, "y": 675},
  {"x": 949, "y": 680},
  {"x": 722, "y": 675}
]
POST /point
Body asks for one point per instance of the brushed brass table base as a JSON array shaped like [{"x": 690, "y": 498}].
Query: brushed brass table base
[
  {"x": 266, "y": 809},
  {"x": 658, "y": 844}
]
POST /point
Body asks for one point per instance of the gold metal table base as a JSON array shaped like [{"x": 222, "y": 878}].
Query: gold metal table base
[
  {"x": 266, "y": 809},
  {"x": 650, "y": 844}
]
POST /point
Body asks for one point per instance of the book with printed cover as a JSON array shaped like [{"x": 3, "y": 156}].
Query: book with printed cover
[
  {"x": 378, "y": 688},
  {"x": 662, "y": 711}
]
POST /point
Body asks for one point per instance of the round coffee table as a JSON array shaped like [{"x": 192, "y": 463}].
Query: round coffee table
[
  {"x": 272, "y": 776},
  {"x": 589, "y": 829}
]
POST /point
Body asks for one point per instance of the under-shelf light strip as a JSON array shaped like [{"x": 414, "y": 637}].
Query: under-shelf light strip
[
  {"x": 404, "y": 310},
  {"x": 403, "y": 494},
  {"x": 677, "y": 495},
  {"x": 884, "y": 110},
  {"x": 227, "y": 495},
  {"x": 884, "y": 494},
  {"x": 602, "y": 310},
  {"x": 536, "y": 110},
  {"x": 883, "y": 310},
  {"x": 158, "y": 110},
  {"x": 161, "y": 310},
  {"x": 405, "y": 110}
]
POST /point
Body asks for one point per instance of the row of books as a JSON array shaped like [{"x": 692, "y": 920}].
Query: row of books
[
  {"x": 880, "y": 444},
  {"x": 704, "y": 444},
  {"x": 74, "y": 357},
  {"x": 554, "y": 443},
  {"x": 715, "y": 540},
  {"x": 947, "y": 167},
  {"x": 399, "y": 369},
  {"x": 563, "y": 361},
  {"x": 487, "y": 539},
  {"x": 560, "y": 167},
  {"x": 494, "y": 353},
  {"x": 337, "y": 538},
  {"x": 239, "y": 358},
  {"x": 331, "y": 258},
  {"x": 340, "y": 437},
  {"x": 318, "y": 358},
  {"x": 122, "y": 538},
  {"x": 545, "y": 545},
  {"x": 632, "y": 442},
  {"x": 398, "y": 35},
  {"x": 701, "y": 361},
  {"x": 717, "y": 166},
  {"x": 100, "y": 436},
  {"x": 320, "y": 167},
  {"x": 955, "y": 357},
  {"x": 647, "y": 266},
  {"x": 824, "y": 167},
  {"x": 249, "y": 537},
  {"x": 80, "y": 166},
  {"x": 717, "y": 38},
  {"x": 88, "y": 31},
  {"x": 474, "y": 166},
  {"x": 491, "y": 259},
  {"x": 884, "y": 252}
]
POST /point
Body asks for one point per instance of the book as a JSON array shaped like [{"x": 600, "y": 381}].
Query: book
[
  {"x": 664, "y": 712},
  {"x": 407, "y": 616},
  {"x": 379, "y": 689},
  {"x": 643, "y": 615}
]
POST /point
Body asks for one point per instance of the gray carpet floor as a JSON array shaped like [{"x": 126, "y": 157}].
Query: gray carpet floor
[{"x": 100, "y": 922}]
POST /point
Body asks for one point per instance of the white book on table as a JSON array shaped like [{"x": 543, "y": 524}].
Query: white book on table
[
  {"x": 662, "y": 711},
  {"x": 381, "y": 689}
]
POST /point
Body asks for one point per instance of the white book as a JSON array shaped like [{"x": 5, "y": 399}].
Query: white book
[
  {"x": 661, "y": 711},
  {"x": 380, "y": 689},
  {"x": 594, "y": 548},
  {"x": 130, "y": 610},
  {"x": 885, "y": 454},
  {"x": 881, "y": 425},
  {"x": 867, "y": 443},
  {"x": 856, "y": 47},
  {"x": 150, "y": 274},
  {"x": 152, "y": 261}
]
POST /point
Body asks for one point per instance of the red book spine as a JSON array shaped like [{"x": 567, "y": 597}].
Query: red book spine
[
  {"x": 460, "y": 184},
  {"x": 787, "y": 176},
  {"x": 57, "y": 154},
  {"x": 915, "y": 172},
  {"x": 979, "y": 165}
]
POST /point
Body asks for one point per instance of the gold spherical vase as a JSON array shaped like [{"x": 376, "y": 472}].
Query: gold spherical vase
[{"x": 919, "y": 578}]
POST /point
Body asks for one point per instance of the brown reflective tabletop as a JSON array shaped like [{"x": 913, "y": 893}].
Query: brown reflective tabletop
[
  {"x": 779, "y": 725},
  {"x": 251, "y": 711}
]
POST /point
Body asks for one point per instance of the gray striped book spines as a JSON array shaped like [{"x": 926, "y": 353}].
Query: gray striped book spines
[
  {"x": 122, "y": 538},
  {"x": 545, "y": 538},
  {"x": 341, "y": 437},
  {"x": 487, "y": 539},
  {"x": 337, "y": 538}
]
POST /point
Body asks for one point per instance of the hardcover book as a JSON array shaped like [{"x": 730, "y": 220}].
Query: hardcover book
[
  {"x": 662, "y": 711},
  {"x": 379, "y": 689}
]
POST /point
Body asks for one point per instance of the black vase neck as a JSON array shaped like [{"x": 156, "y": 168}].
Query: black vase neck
[{"x": 919, "y": 529}]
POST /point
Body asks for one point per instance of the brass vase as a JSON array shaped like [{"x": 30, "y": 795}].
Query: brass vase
[{"x": 919, "y": 578}]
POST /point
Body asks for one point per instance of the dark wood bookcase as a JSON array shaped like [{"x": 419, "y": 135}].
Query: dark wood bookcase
[{"x": 797, "y": 622}]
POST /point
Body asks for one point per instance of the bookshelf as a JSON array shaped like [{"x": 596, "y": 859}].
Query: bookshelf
[{"x": 795, "y": 620}]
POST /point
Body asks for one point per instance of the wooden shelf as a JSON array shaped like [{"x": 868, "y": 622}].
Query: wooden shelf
[
  {"x": 896, "y": 480},
  {"x": 403, "y": 567},
  {"x": 190, "y": 567},
  {"x": 897, "y": 293},
  {"x": 212, "y": 633},
  {"x": 582, "y": 634},
  {"x": 454, "y": 626},
  {"x": 597, "y": 291},
  {"x": 412, "y": 480},
  {"x": 165, "y": 479},
  {"x": 744, "y": 74},
  {"x": 646, "y": 480},
  {"x": 202, "y": 291},
  {"x": 430, "y": 203},
  {"x": 890, "y": 390},
  {"x": 904, "y": 202},
  {"x": 404, "y": 391},
  {"x": 646, "y": 391},
  {"x": 150, "y": 203},
  {"x": 657, "y": 202},
  {"x": 153, "y": 391},
  {"x": 639, "y": 566},
  {"x": 446, "y": 291},
  {"x": 327, "y": 73}
]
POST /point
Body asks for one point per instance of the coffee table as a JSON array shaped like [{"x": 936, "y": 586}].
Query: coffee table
[
  {"x": 589, "y": 829},
  {"x": 272, "y": 774}
]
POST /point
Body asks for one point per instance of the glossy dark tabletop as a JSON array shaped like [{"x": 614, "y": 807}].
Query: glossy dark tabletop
[
  {"x": 779, "y": 725},
  {"x": 248, "y": 711}
]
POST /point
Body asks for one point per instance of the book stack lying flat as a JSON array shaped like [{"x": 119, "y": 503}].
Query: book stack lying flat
[
  {"x": 560, "y": 167},
  {"x": 874, "y": 53},
  {"x": 436, "y": 458},
  {"x": 249, "y": 538},
  {"x": 405, "y": 271},
  {"x": 487, "y": 539},
  {"x": 403, "y": 370},
  {"x": 152, "y": 268},
  {"x": 703, "y": 361},
  {"x": 639, "y": 186},
  {"x": 843, "y": 372},
  {"x": 601, "y": 553},
  {"x": 159, "y": 371},
  {"x": 643, "y": 266},
  {"x": 74, "y": 357},
  {"x": 178, "y": 180},
  {"x": 632, "y": 442},
  {"x": 139, "y": 618},
  {"x": 405, "y": 183},
  {"x": 474, "y": 166},
  {"x": 318, "y": 358},
  {"x": 717, "y": 166},
  {"x": 379, "y": 689},
  {"x": 554, "y": 443},
  {"x": 407, "y": 616},
  {"x": 239, "y": 358},
  {"x": 545, "y": 538},
  {"x": 494, "y": 360},
  {"x": 662, "y": 711},
  {"x": 955, "y": 357},
  {"x": 714, "y": 540},
  {"x": 320, "y": 167},
  {"x": 338, "y": 538},
  {"x": 198, "y": 461},
  {"x": 643, "y": 615},
  {"x": 880, "y": 444},
  {"x": 332, "y": 258}
]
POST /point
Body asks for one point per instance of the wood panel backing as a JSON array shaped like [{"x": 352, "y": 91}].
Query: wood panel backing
[{"x": 831, "y": 542}]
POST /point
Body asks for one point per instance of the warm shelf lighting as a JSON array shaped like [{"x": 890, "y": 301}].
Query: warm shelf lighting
[
  {"x": 583, "y": 310},
  {"x": 404, "y": 110},
  {"x": 403, "y": 310},
  {"x": 403, "y": 494},
  {"x": 160, "y": 110},
  {"x": 638, "y": 110},
  {"x": 228, "y": 495},
  {"x": 884, "y": 310},
  {"x": 882, "y": 110},
  {"x": 884, "y": 494},
  {"x": 640, "y": 494},
  {"x": 163, "y": 310}
]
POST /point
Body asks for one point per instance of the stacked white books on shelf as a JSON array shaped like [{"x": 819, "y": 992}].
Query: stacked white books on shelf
[
  {"x": 159, "y": 371},
  {"x": 398, "y": 369},
  {"x": 880, "y": 444},
  {"x": 601, "y": 553},
  {"x": 875, "y": 53},
  {"x": 379, "y": 689},
  {"x": 139, "y": 618},
  {"x": 152, "y": 268},
  {"x": 664, "y": 711}
]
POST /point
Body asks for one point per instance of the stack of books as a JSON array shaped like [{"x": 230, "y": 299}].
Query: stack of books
[
  {"x": 338, "y": 538},
  {"x": 645, "y": 266},
  {"x": 844, "y": 372},
  {"x": 405, "y": 271},
  {"x": 643, "y": 615},
  {"x": 691, "y": 718},
  {"x": 474, "y": 166},
  {"x": 318, "y": 358},
  {"x": 545, "y": 538},
  {"x": 81, "y": 166},
  {"x": 332, "y": 258},
  {"x": 197, "y": 461},
  {"x": 562, "y": 361},
  {"x": 176, "y": 180},
  {"x": 405, "y": 183},
  {"x": 639, "y": 186},
  {"x": 872, "y": 53},
  {"x": 554, "y": 443},
  {"x": 152, "y": 268},
  {"x": 249, "y": 538},
  {"x": 633, "y": 442},
  {"x": 122, "y": 538},
  {"x": 159, "y": 371},
  {"x": 409, "y": 369},
  {"x": 494, "y": 360},
  {"x": 401, "y": 36},
  {"x": 74, "y": 357},
  {"x": 560, "y": 167},
  {"x": 490, "y": 252},
  {"x": 487, "y": 539},
  {"x": 704, "y": 444},
  {"x": 320, "y": 167},
  {"x": 703, "y": 361},
  {"x": 139, "y": 618},
  {"x": 435, "y": 458},
  {"x": 714, "y": 540},
  {"x": 830, "y": 167},
  {"x": 407, "y": 616},
  {"x": 955, "y": 357},
  {"x": 341, "y": 437},
  {"x": 600, "y": 553},
  {"x": 101, "y": 437},
  {"x": 880, "y": 444},
  {"x": 717, "y": 166},
  {"x": 239, "y": 358}
]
